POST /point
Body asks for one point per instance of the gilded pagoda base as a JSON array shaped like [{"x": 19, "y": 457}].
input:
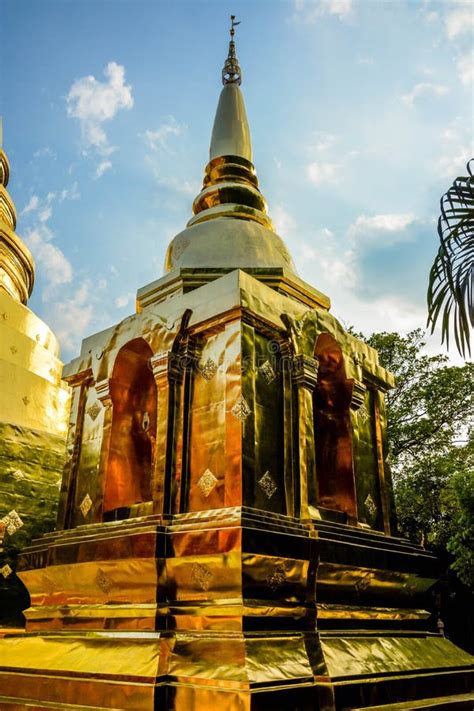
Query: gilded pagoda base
[
  {"x": 238, "y": 671},
  {"x": 235, "y": 608}
]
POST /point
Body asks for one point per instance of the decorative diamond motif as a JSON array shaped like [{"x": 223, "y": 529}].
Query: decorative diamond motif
[
  {"x": 267, "y": 485},
  {"x": 267, "y": 372},
  {"x": 277, "y": 578},
  {"x": 86, "y": 505},
  {"x": 94, "y": 410},
  {"x": 12, "y": 522},
  {"x": 6, "y": 570},
  {"x": 208, "y": 369},
  {"x": 103, "y": 581},
  {"x": 202, "y": 576},
  {"x": 14, "y": 350},
  {"x": 363, "y": 583},
  {"x": 18, "y": 475},
  {"x": 207, "y": 482},
  {"x": 26, "y": 400},
  {"x": 363, "y": 413},
  {"x": 241, "y": 410},
  {"x": 370, "y": 505}
]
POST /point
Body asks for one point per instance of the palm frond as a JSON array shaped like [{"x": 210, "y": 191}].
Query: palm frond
[{"x": 451, "y": 284}]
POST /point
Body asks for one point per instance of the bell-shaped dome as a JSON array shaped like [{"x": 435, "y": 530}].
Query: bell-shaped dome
[{"x": 228, "y": 243}]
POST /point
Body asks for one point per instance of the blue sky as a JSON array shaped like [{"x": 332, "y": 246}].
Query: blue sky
[{"x": 361, "y": 114}]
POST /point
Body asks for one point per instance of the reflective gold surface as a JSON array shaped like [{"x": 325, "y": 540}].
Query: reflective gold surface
[
  {"x": 16, "y": 262},
  {"x": 226, "y": 528},
  {"x": 34, "y": 405}
]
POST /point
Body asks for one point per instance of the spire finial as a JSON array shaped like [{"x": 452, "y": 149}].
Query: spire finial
[{"x": 231, "y": 73}]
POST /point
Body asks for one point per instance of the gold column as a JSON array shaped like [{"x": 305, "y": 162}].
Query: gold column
[
  {"x": 103, "y": 394},
  {"x": 167, "y": 469},
  {"x": 79, "y": 383},
  {"x": 381, "y": 465},
  {"x": 305, "y": 377}
]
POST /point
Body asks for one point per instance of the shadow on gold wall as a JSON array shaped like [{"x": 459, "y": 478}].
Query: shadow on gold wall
[
  {"x": 333, "y": 440},
  {"x": 134, "y": 400}
]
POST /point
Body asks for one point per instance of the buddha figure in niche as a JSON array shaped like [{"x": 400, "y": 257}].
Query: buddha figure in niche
[
  {"x": 333, "y": 437},
  {"x": 132, "y": 441}
]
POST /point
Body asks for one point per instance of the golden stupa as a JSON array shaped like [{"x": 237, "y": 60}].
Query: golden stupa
[
  {"x": 226, "y": 536},
  {"x": 34, "y": 405}
]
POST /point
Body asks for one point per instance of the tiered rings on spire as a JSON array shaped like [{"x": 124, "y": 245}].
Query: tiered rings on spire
[{"x": 16, "y": 262}]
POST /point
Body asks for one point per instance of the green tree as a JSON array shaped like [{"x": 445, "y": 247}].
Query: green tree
[{"x": 431, "y": 446}]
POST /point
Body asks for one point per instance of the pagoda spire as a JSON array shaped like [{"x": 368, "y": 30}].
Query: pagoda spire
[
  {"x": 230, "y": 227},
  {"x": 231, "y": 132},
  {"x": 231, "y": 73},
  {"x": 16, "y": 263},
  {"x": 230, "y": 186}
]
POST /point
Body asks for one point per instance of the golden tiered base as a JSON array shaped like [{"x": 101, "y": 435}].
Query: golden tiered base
[{"x": 235, "y": 610}]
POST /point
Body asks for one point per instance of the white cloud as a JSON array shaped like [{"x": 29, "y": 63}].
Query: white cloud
[
  {"x": 380, "y": 223},
  {"x": 431, "y": 16},
  {"x": 456, "y": 148},
  {"x": 423, "y": 89},
  {"x": 321, "y": 173},
  {"x": 31, "y": 205},
  {"x": 312, "y": 10},
  {"x": 451, "y": 165},
  {"x": 56, "y": 267},
  {"x": 460, "y": 19},
  {"x": 102, "y": 167},
  {"x": 94, "y": 102},
  {"x": 183, "y": 187},
  {"x": 465, "y": 67},
  {"x": 70, "y": 318},
  {"x": 159, "y": 138},
  {"x": 384, "y": 229},
  {"x": 329, "y": 258},
  {"x": 366, "y": 61},
  {"x": 44, "y": 152},
  {"x": 284, "y": 222},
  {"x": 386, "y": 313},
  {"x": 123, "y": 300},
  {"x": 45, "y": 214},
  {"x": 323, "y": 141},
  {"x": 46, "y": 210},
  {"x": 70, "y": 194}
]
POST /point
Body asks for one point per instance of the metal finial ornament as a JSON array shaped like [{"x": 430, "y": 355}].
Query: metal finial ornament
[{"x": 231, "y": 73}]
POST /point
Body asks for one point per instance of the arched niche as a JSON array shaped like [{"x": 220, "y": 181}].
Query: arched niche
[
  {"x": 132, "y": 440},
  {"x": 333, "y": 437}
]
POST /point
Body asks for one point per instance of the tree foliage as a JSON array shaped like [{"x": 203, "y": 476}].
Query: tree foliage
[
  {"x": 451, "y": 284},
  {"x": 431, "y": 442}
]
